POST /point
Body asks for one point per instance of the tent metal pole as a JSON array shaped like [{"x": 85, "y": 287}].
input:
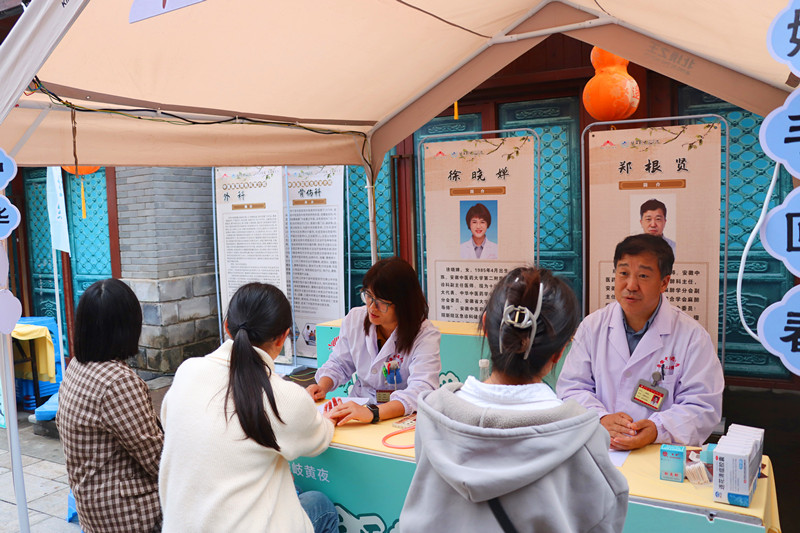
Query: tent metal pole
[{"x": 12, "y": 428}]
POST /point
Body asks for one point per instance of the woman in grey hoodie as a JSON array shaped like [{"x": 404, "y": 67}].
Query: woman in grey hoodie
[{"x": 506, "y": 454}]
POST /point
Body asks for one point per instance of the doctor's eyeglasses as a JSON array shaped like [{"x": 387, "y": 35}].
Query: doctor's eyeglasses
[{"x": 369, "y": 299}]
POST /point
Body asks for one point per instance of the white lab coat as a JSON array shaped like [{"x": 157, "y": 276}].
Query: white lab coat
[
  {"x": 468, "y": 250},
  {"x": 356, "y": 352},
  {"x": 600, "y": 374}
]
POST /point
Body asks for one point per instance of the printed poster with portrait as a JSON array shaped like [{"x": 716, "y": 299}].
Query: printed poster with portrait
[
  {"x": 479, "y": 220},
  {"x": 664, "y": 181}
]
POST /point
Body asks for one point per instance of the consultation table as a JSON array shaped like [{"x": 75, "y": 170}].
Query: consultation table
[{"x": 368, "y": 481}]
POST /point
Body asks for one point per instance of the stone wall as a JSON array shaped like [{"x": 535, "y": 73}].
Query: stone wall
[
  {"x": 180, "y": 320},
  {"x": 167, "y": 255}
]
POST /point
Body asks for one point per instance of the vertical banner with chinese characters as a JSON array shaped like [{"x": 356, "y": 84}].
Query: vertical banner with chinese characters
[
  {"x": 664, "y": 181},
  {"x": 779, "y": 324},
  {"x": 315, "y": 235},
  {"x": 250, "y": 228},
  {"x": 480, "y": 220}
]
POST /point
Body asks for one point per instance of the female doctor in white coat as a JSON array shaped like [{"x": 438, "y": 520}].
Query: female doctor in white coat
[{"x": 388, "y": 343}]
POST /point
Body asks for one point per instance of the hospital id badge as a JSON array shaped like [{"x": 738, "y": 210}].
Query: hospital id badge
[
  {"x": 382, "y": 395},
  {"x": 650, "y": 395}
]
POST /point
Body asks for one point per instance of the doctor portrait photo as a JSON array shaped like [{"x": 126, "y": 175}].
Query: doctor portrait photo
[
  {"x": 478, "y": 235},
  {"x": 653, "y": 220},
  {"x": 649, "y": 370}
]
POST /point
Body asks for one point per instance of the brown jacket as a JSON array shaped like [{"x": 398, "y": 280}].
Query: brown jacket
[{"x": 112, "y": 443}]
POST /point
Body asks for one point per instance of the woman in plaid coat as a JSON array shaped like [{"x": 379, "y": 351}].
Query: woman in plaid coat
[{"x": 111, "y": 437}]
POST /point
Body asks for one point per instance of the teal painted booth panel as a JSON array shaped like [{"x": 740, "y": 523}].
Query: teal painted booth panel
[
  {"x": 655, "y": 519},
  {"x": 369, "y": 491},
  {"x": 461, "y": 348},
  {"x": 356, "y": 482}
]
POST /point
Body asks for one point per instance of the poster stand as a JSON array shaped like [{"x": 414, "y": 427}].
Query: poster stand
[
  {"x": 477, "y": 135},
  {"x": 726, "y": 170}
]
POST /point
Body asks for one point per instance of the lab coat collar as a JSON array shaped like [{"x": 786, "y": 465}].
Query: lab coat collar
[
  {"x": 616, "y": 333},
  {"x": 651, "y": 341},
  {"x": 371, "y": 344},
  {"x": 662, "y": 325}
]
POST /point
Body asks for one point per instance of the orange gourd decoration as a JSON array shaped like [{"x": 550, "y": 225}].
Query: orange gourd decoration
[
  {"x": 612, "y": 94},
  {"x": 82, "y": 170}
]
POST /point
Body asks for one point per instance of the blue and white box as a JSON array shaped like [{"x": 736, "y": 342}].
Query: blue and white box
[
  {"x": 737, "y": 464},
  {"x": 673, "y": 462}
]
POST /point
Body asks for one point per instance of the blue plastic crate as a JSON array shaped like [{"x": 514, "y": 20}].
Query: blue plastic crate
[{"x": 25, "y": 393}]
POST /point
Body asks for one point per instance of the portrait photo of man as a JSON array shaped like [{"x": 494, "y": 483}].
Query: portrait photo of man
[
  {"x": 478, "y": 220},
  {"x": 653, "y": 219}
]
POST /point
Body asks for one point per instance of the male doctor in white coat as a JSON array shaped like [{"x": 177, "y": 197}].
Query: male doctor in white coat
[{"x": 648, "y": 369}]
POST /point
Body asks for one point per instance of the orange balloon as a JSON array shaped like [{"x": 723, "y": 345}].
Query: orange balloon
[
  {"x": 612, "y": 94},
  {"x": 82, "y": 170}
]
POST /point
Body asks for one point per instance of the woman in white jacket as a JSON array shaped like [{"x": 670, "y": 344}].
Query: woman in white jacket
[
  {"x": 388, "y": 343},
  {"x": 506, "y": 454},
  {"x": 232, "y": 424}
]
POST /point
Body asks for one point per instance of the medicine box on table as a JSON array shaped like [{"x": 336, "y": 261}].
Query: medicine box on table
[
  {"x": 737, "y": 464},
  {"x": 673, "y": 462}
]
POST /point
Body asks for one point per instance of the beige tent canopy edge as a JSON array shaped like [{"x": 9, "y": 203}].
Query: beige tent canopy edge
[
  {"x": 577, "y": 19},
  {"x": 371, "y": 98}
]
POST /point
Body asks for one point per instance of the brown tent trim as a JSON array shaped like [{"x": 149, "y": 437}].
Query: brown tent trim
[{"x": 82, "y": 95}]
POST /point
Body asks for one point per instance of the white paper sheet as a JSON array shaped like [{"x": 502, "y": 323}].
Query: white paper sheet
[{"x": 618, "y": 457}]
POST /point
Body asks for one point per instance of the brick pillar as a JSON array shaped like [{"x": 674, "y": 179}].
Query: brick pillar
[{"x": 167, "y": 257}]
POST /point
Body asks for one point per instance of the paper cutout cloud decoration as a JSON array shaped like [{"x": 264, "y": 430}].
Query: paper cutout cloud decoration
[
  {"x": 9, "y": 217},
  {"x": 780, "y": 233},
  {"x": 779, "y": 329},
  {"x": 777, "y": 138},
  {"x": 782, "y": 32},
  {"x": 8, "y": 169},
  {"x": 10, "y": 311}
]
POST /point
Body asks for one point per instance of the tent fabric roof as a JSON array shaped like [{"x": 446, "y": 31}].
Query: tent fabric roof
[{"x": 376, "y": 69}]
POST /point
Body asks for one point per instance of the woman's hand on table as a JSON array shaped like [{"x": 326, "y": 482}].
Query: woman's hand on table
[{"x": 343, "y": 412}]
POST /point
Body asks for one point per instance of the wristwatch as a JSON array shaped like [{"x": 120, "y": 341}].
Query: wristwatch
[{"x": 376, "y": 414}]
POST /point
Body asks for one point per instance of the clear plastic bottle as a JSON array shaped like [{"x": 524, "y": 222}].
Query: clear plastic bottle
[{"x": 483, "y": 364}]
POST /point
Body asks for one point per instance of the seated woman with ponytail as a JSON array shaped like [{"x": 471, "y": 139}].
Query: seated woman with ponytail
[
  {"x": 506, "y": 454},
  {"x": 232, "y": 424}
]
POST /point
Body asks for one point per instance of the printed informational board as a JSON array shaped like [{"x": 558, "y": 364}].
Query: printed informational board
[
  {"x": 315, "y": 235},
  {"x": 664, "y": 181},
  {"x": 250, "y": 234},
  {"x": 479, "y": 220},
  {"x": 254, "y": 225}
]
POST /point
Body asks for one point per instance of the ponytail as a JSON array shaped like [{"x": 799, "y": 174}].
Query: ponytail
[{"x": 257, "y": 313}]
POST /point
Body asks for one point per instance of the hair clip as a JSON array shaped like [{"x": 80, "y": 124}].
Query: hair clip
[{"x": 521, "y": 317}]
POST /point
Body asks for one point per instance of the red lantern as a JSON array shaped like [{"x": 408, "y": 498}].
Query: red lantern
[
  {"x": 612, "y": 94},
  {"x": 82, "y": 170}
]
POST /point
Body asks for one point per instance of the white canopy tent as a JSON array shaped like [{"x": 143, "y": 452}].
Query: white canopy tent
[
  {"x": 371, "y": 72},
  {"x": 336, "y": 82}
]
